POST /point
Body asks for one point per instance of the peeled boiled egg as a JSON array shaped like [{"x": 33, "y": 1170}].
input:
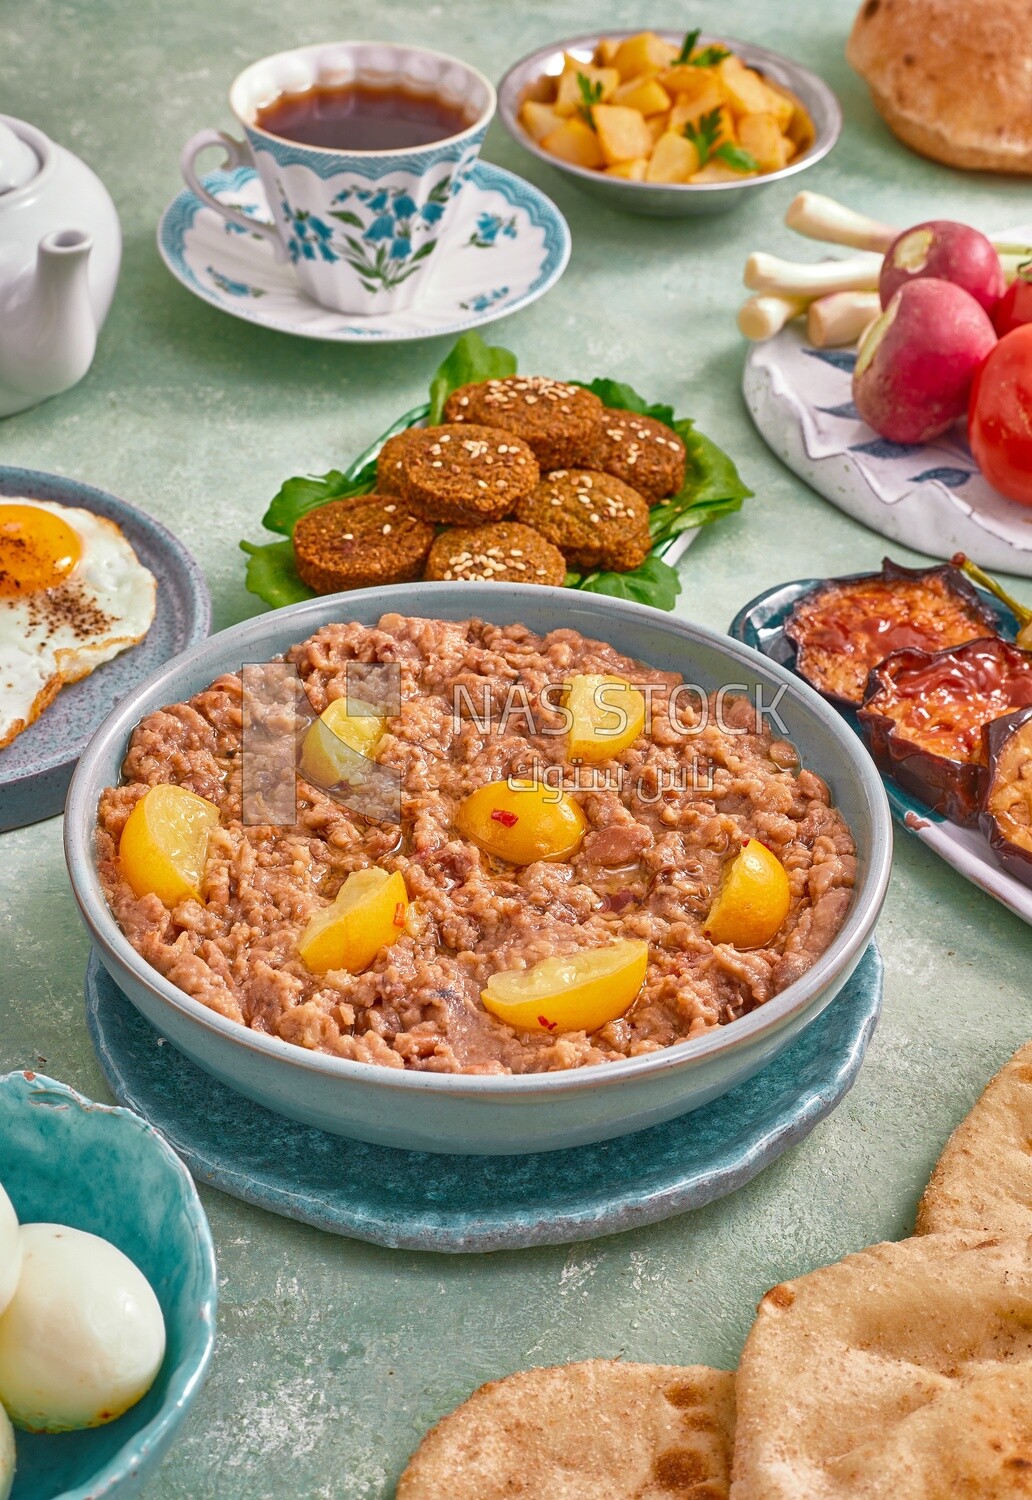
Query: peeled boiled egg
[
  {"x": 6, "y": 1455},
  {"x": 10, "y": 1255},
  {"x": 73, "y": 594},
  {"x": 83, "y": 1337}
]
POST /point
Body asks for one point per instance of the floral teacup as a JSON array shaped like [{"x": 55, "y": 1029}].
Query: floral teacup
[{"x": 362, "y": 228}]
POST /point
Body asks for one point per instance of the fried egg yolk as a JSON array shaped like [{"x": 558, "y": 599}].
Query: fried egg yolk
[{"x": 38, "y": 550}]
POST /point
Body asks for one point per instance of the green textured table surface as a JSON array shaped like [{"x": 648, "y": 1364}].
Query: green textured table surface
[{"x": 334, "y": 1357}]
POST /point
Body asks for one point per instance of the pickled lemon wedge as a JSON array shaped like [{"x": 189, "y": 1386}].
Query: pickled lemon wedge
[
  {"x": 580, "y": 992},
  {"x": 369, "y": 913},
  {"x": 521, "y": 821},
  {"x": 608, "y": 716},
  {"x": 753, "y": 901},
  {"x": 329, "y": 748},
  {"x": 164, "y": 843}
]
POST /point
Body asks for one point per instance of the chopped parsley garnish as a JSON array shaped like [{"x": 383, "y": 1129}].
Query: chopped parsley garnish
[
  {"x": 703, "y": 135},
  {"x": 707, "y": 58},
  {"x": 688, "y": 46},
  {"x": 591, "y": 94}
]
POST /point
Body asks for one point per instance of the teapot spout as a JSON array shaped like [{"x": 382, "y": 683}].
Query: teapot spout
[{"x": 48, "y": 338}]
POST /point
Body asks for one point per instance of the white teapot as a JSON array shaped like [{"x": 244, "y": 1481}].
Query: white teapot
[{"x": 60, "y": 250}]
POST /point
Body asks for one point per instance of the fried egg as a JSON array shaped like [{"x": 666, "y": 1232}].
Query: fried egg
[{"x": 73, "y": 594}]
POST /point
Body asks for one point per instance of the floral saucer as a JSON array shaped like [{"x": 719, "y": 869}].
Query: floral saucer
[{"x": 510, "y": 245}]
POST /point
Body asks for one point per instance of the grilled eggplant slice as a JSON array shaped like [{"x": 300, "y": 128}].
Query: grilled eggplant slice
[
  {"x": 1006, "y": 818},
  {"x": 923, "y": 714},
  {"x": 846, "y": 626}
]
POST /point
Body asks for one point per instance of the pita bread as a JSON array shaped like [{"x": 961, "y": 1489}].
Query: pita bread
[
  {"x": 902, "y": 1373},
  {"x": 598, "y": 1430},
  {"x": 983, "y": 1179},
  {"x": 951, "y": 79}
]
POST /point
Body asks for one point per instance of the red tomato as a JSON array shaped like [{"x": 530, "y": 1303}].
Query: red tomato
[
  {"x": 1014, "y": 308},
  {"x": 1000, "y": 416}
]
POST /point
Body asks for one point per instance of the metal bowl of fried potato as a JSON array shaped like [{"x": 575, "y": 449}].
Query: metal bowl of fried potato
[{"x": 772, "y": 111}]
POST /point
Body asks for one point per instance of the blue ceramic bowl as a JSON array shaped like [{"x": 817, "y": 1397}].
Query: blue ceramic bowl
[
  {"x": 64, "y": 1159},
  {"x": 492, "y": 1115}
]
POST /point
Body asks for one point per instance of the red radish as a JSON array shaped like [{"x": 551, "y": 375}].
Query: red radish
[
  {"x": 948, "y": 252},
  {"x": 1014, "y": 308},
  {"x": 917, "y": 361}
]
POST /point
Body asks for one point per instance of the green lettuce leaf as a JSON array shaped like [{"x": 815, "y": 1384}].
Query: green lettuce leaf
[
  {"x": 271, "y": 574},
  {"x": 712, "y": 488},
  {"x": 307, "y": 491},
  {"x": 470, "y": 360},
  {"x": 624, "y": 397},
  {"x": 655, "y": 583}
]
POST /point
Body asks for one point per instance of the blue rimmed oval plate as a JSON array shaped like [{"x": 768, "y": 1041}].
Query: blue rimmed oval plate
[
  {"x": 511, "y": 244},
  {"x": 66, "y": 1160},
  {"x": 35, "y": 768},
  {"x": 761, "y": 624}
]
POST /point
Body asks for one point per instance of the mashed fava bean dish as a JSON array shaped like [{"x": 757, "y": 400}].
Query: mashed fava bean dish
[{"x": 505, "y": 852}]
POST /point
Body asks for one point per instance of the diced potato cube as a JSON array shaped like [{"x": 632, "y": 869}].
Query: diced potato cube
[
  {"x": 538, "y": 120},
  {"x": 719, "y": 171},
  {"x": 744, "y": 90},
  {"x": 574, "y": 141},
  {"x": 644, "y": 53},
  {"x": 569, "y": 97},
  {"x": 800, "y": 129},
  {"x": 644, "y": 94},
  {"x": 781, "y": 104},
  {"x": 658, "y": 124},
  {"x": 605, "y": 52},
  {"x": 700, "y": 98},
  {"x": 760, "y": 136},
  {"x": 622, "y": 133},
  {"x": 674, "y": 159},
  {"x": 695, "y": 83},
  {"x": 633, "y": 171}
]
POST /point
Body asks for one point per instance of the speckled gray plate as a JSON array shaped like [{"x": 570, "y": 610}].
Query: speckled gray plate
[
  {"x": 416, "y": 1201},
  {"x": 36, "y": 768}
]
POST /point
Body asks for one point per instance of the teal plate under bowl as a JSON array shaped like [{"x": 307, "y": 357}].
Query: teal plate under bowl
[
  {"x": 66, "y": 1160},
  {"x": 419, "y": 1201}
]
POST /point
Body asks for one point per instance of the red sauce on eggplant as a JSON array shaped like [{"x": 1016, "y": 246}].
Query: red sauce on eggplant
[{"x": 942, "y": 703}]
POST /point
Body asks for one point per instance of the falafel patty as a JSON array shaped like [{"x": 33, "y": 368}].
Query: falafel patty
[
  {"x": 388, "y": 463},
  {"x": 350, "y": 544},
  {"x": 642, "y": 452},
  {"x": 464, "y": 474},
  {"x": 504, "y": 552},
  {"x": 594, "y": 519},
  {"x": 561, "y": 423}
]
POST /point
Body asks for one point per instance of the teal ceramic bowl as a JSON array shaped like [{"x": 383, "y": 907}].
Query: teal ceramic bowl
[
  {"x": 64, "y": 1159},
  {"x": 493, "y": 1115}
]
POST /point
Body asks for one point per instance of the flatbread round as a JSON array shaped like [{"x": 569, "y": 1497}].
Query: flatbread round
[
  {"x": 951, "y": 79},
  {"x": 597, "y": 1430},
  {"x": 902, "y": 1373},
  {"x": 983, "y": 1179}
]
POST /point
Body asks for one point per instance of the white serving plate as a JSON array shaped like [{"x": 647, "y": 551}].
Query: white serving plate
[{"x": 930, "y": 496}]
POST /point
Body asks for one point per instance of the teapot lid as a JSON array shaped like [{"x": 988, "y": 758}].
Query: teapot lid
[{"x": 18, "y": 162}]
